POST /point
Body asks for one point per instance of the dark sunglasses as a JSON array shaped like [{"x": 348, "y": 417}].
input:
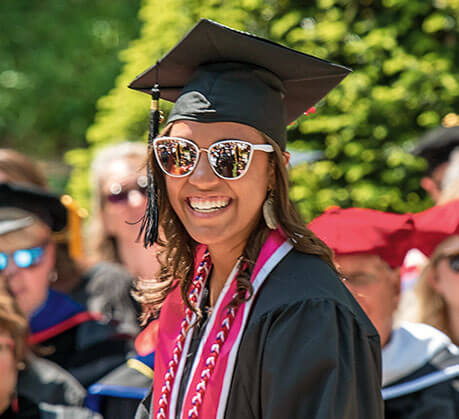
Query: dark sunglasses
[
  {"x": 23, "y": 258},
  {"x": 119, "y": 193},
  {"x": 229, "y": 159}
]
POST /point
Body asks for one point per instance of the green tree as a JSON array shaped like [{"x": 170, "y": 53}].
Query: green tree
[
  {"x": 56, "y": 59},
  {"x": 405, "y": 79}
]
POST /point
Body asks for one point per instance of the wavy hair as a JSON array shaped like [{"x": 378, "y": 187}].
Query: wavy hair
[{"x": 176, "y": 255}]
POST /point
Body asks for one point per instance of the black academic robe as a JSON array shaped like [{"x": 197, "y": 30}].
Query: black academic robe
[
  {"x": 27, "y": 409},
  {"x": 308, "y": 350},
  {"x": 44, "y": 381}
]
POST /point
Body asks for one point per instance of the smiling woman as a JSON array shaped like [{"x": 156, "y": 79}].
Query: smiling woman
[{"x": 242, "y": 279}]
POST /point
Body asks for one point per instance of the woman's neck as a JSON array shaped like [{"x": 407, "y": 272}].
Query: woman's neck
[
  {"x": 453, "y": 324},
  {"x": 139, "y": 262},
  {"x": 224, "y": 258}
]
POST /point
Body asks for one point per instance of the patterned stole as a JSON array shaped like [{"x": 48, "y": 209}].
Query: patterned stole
[{"x": 208, "y": 386}]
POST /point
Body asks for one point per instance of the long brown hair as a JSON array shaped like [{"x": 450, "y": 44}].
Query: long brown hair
[{"x": 176, "y": 255}]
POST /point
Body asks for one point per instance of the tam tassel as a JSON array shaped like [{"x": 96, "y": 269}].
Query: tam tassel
[{"x": 149, "y": 226}]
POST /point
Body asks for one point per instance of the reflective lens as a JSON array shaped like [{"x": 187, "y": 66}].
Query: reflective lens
[
  {"x": 177, "y": 157},
  {"x": 23, "y": 258},
  {"x": 3, "y": 261},
  {"x": 454, "y": 262},
  {"x": 230, "y": 159}
]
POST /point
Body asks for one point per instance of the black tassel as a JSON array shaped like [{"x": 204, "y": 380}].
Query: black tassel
[{"x": 149, "y": 226}]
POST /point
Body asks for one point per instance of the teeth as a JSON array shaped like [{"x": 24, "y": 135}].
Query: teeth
[{"x": 202, "y": 205}]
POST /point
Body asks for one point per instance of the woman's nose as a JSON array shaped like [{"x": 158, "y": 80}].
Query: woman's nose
[
  {"x": 203, "y": 175},
  {"x": 10, "y": 271}
]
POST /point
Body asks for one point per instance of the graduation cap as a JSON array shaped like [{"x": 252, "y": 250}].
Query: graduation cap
[
  {"x": 44, "y": 205},
  {"x": 19, "y": 205},
  {"x": 437, "y": 145},
  {"x": 218, "y": 74},
  {"x": 360, "y": 230}
]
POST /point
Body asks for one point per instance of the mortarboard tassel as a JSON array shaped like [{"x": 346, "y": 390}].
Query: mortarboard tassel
[{"x": 149, "y": 226}]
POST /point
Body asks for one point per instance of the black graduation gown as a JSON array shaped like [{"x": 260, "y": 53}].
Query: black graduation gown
[
  {"x": 44, "y": 381},
  {"x": 29, "y": 409},
  {"x": 308, "y": 350}
]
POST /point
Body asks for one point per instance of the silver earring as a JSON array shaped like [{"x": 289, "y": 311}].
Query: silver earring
[
  {"x": 52, "y": 277},
  {"x": 268, "y": 212}
]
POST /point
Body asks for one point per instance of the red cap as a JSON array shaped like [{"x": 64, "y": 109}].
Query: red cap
[
  {"x": 390, "y": 236},
  {"x": 434, "y": 225},
  {"x": 360, "y": 230}
]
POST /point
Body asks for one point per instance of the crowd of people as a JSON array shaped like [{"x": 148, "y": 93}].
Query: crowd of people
[{"x": 238, "y": 309}]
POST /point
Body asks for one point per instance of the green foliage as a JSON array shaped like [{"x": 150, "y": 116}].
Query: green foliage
[
  {"x": 405, "y": 80},
  {"x": 56, "y": 59}
]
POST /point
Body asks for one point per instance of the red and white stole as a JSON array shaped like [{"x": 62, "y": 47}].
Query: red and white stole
[{"x": 215, "y": 392}]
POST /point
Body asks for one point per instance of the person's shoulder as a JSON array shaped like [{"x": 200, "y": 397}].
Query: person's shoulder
[
  {"x": 43, "y": 380},
  {"x": 303, "y": 280}
]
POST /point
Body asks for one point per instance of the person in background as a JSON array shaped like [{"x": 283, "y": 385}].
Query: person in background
[
  {"x": 420, "y": 364},
  {"x": 104, "y": 287},
  {"x": 450, "y": 184},
  {"x": 18, "y": 168},
  {"x": 119, "y": 182},
  {"x": 31, "y": 387},
  {"x": 435, "y": 147},
  {"x": 438, "y": 289},
  {"x": 78, "y": 340}
]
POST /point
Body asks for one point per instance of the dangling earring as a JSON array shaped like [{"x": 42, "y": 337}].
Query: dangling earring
[{"x": 268, "y": 212}]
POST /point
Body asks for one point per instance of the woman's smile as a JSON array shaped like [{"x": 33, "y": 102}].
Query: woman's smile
[{"x": 208, "y": 205}]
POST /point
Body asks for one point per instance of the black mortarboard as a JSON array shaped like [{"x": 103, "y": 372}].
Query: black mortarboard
[
  {"x": 437, "y": 145},
  {"x": 46, "y": 206},
  {"x": 218, "y": 74}
]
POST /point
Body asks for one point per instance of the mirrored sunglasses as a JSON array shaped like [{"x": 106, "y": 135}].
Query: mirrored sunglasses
[
  {"x": 229, "y": 159},
  {"x": 22, "y": 258},
  {"x": 120, "y": 193}
]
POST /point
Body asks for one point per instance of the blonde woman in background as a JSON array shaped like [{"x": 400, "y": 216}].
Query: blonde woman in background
[
  {"x": 438, "y": 286},
  {"x": 118, "y": 179}
]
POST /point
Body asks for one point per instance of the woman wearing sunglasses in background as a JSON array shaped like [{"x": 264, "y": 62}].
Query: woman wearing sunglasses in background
[
  {"x": 438, "y": 289},
  {"x": 74, "y": 338},
  {"x": 254, "y": 321},
  {"x": 119, "y": 182}
]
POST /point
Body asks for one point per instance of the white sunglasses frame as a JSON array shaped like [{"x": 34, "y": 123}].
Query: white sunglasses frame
[{"x": 267, "y": 148}]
